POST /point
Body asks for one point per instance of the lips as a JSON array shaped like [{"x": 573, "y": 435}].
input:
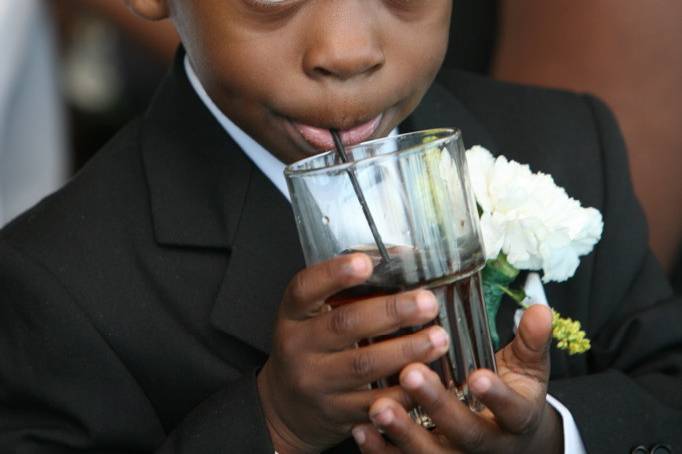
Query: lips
[{"x": 322, "y": 138}]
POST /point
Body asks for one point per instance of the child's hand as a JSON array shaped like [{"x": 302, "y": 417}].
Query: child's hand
[
  {"x": 314, "y": 386},
  {"x": 517, "y": 418}
]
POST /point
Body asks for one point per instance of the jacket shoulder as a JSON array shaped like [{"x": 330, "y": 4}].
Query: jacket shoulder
[
  {"x": 94, "y": 206},
  {"x": 527, "y": 115},
  {"x": 475, "y": 90},
  {"x": 557, "y": 132}
]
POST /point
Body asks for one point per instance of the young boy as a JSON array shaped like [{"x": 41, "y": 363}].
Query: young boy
[{"x": 138, "y": 303}]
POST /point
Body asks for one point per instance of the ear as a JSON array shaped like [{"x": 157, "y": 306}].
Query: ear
[{"x": 149, "y": 9}]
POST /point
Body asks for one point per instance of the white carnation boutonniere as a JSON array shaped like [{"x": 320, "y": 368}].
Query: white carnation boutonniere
[{"x": 529, "y": 223}]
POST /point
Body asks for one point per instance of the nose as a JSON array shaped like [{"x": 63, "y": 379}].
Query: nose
[{"x": 344, "y": 41}]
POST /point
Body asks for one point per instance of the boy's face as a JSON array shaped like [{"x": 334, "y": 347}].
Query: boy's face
[{"x": 287, "y": 70}]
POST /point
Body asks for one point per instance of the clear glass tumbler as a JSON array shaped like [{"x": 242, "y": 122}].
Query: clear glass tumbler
[{"x": 417, "y": 190}]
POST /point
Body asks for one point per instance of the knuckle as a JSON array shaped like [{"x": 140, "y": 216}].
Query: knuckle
[
  {"x": 408, "y": 349},
  {"x": 287, "y": 348},
  {"x": 298, "y": 381},
  {"x": 362, "y": 365},
  {"x": 329, "y": 409},
  {"x": 326, "y": 412},
  {"x": 411, "y": 349},
  {"x": 341, "y": 321},
  {"x": 302, "y": 383},
  {"x": 475, "y": 440},
  {"x": 405, "y": 439},
  {"x": 438, "y": 403},
  {"x": 297, "y": 287},
  {"x": 391, "y": 309},
  {"x": 527, "y": 422}
]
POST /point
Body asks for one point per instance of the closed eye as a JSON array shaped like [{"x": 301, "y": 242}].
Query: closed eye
[
  {"x": 273, "y": 9},
  {"x": 267, "y": 4},
  {"x": 410, "y": 5}
]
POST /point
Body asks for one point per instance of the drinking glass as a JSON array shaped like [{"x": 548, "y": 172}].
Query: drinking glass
[{"x": 417, "y": 192}]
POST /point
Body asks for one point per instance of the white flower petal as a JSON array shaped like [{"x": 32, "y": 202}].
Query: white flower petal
[
  {"x": 480, "y": 163},
  {"x": 492, "y": 235},
  {"x": 559, "y": 259},
  {"x": 529, "y": 218}
]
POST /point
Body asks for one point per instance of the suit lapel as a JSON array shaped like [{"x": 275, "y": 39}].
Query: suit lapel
[
  {"x": 265, "y": 256},
  {"x": 197, "y": 176},
  {"x": 205, "y": 193}
]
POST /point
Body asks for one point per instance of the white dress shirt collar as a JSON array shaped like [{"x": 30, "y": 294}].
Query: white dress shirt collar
[{"x": 272, "y": 167}]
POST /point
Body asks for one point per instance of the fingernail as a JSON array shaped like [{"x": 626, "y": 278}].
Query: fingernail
[
  {"x": 481, "y": 385},
  {"x": 413, "y": 380},
  {"x": 358, "y": 265},
  {"x": 383, "y": 417},
  {"x": 359, "y": 435},
  {"x": 438, "y": 337},
  {"x": 426, "y": 302}
]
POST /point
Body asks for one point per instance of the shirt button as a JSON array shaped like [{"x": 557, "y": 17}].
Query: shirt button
[
  {"x": 660, "y": 449},
  {"x": 641, "y": 449}
]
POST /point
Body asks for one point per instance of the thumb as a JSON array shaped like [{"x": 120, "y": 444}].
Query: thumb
[{"x": 533, "y": 338}]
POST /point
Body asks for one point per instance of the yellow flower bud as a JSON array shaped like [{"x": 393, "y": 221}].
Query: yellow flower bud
[{"x": 568, "y": 334}]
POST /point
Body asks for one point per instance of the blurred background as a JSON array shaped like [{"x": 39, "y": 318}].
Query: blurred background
[{"x": 77, "y": 70}]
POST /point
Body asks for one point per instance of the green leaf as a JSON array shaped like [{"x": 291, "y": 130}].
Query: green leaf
[
  {"x": 516, "y": 295},
  {"x": 496, "y": 277}
]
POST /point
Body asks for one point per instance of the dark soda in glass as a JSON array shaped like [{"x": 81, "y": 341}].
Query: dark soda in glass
[{"x": 461, "y": 313}]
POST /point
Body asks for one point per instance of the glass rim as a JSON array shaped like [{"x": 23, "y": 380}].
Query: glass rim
[{"x": 295, "y": 168}]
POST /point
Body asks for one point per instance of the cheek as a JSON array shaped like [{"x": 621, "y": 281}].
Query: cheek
[
  {"x": 253, "y": 69},
  {"x": 420, "y": 47},
  {"x": 223, "y": 48},
  {"x": 435, "y": 43},
  {"x": 419, "y": 60}
]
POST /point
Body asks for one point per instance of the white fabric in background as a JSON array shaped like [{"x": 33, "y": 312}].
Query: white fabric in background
[{"x": 33, "y": 155}]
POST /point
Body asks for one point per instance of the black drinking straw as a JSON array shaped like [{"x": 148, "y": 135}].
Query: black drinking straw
[{"x": 341, "y": 151}]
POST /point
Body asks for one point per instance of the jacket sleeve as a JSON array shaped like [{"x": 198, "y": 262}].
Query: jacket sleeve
[
  {"x": 632, "y": 395},
  {"x": 63, "y": 389}
]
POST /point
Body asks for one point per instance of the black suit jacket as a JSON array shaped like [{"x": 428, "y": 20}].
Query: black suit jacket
[{"x": 137, "y": 303}]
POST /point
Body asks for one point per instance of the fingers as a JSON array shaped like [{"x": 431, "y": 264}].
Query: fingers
[
  {"x": 531, "y": 345},
  {"x": 370, "y": 441},
  {"x": 345, "y": 325},
  {"x": 310, "y": 287},
  {"x": 398, "y": 426},
  {"x": 358, "y": 367},
  {"x": 517, "y": 406},
  {"x": 354, "y": 406},
  {"x": 462, "y": 427},
  {"x": 513, "y": 412}
]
